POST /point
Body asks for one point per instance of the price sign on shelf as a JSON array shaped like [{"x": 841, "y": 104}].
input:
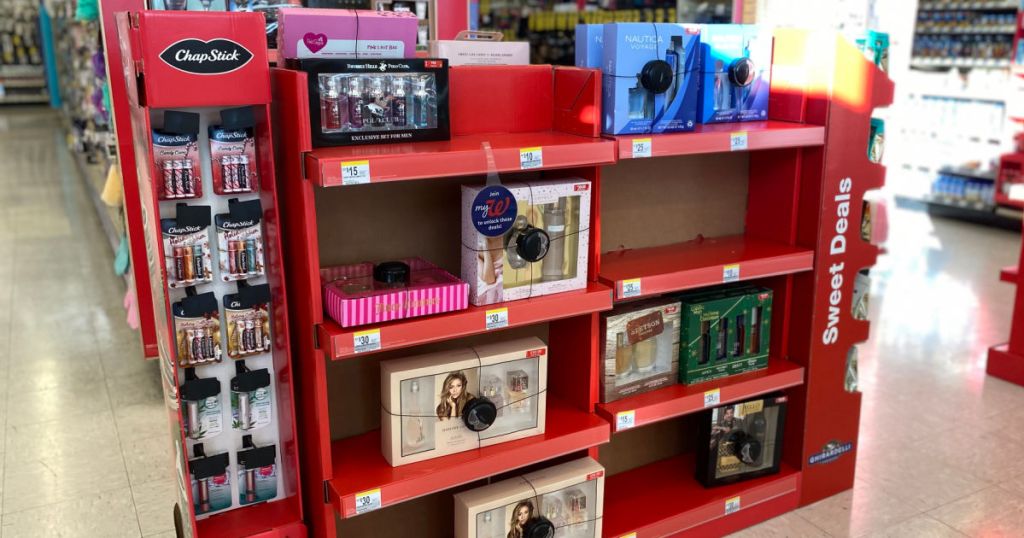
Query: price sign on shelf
[
  {"x": 364, "y": 341},
  {"x": 641, "y": 147},
  {"x": 367, "y": 501},
  {"x": 732, "y": 505},
  {"x": 738, "y": 141},
  {"x": 631, "y": 288},
  {"x": 625, "y": 420},
  {"x": 355, "y": 172},
  {"x": 712, "y": 397},
  {"x": 531, "y": 158},
  {"x": 630, "y": 535},
  {"x": 496, "y": 319},
  {"x": 731, "y": 273}
]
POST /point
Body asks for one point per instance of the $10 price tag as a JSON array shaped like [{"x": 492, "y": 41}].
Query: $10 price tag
[
  {"x": 497, "y": 318},
  {"x": 531, "y": 158},
  {"x": 364, "y": 341},
  {"x": 355, "y": 172},
  {"x": 367, "y": 501},
  {"x": 712, "y": 397},
  {"x": 625, "y": 420}
]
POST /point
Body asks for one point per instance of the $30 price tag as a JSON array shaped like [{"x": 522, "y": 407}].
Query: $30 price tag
[
  {"x": 712, "y": 397},
  {"x": 355, "y": 172},
  {"x": 367, "y": 501},
  {"x": 497, "y": 318},
  {"x": 364, "y": 341}
]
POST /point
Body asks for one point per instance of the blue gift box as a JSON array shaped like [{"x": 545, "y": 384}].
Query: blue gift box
[
  {"x": 589, "y": 49},
  {"x": 736, "y": 63},
  {"x": 651, "y": 77}
]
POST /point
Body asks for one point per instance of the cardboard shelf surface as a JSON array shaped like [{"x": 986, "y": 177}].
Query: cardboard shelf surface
[
  {"x": 461, "y": 156},
  {"x": 339, "y": 342},
  {"x": 359, "y": 466},
  {"x": 664, "y": 498},
  {"x": 677, "y": 400},
  {"x": 723, "y": 137},
  {"x": 702, "y": 262}
]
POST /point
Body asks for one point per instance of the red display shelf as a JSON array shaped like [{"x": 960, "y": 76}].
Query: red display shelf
[
  {"x": 279, "y": 519},
  {"x": 1009, "y": 274},
  {"x": 664, "y": 498},
  {"x": 702, "y": 262},
  {"x": 1003, "y": 199},
  {"x": 463, "y": 155},
  {"x": 338, "y": 342},
  {"x": 722, "y": 137},
  {"x": 677, "y": 400},
  {"x": 1005, "y": 364},
  {"x": 359, "y": 466}
]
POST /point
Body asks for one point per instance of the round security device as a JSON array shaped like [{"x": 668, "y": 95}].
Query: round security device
[
  {"x": 656, "y": 76},
  {"x": 392, "y": 274},
  {"x": 746, "y": 447},
  {"x": 539, "y": 527},
  {"x": 526, "y": 244},
  {"x": 478, "y": 414},
  {"x": 742, "y": 72}
]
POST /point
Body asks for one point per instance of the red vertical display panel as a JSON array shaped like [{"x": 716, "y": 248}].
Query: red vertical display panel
[{"x": 204, "y": 63}]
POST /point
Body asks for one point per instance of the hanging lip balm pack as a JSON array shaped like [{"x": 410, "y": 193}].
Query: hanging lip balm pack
[
  {"x": 233, "y": 152},
  {"x": 736, "y": 61},
  {"x": 211, "y": 484},
  {"x": 197, "y": 328},
  {"x": 257, "y": 472},
  {"x": 202, "y": 406},
  {"x": 240, "y": 240},
  {"x": 651, "y": 77},
  {"x": 247, "y": 315},
  {"x": 176, "y": 156},
  {"x": 441, "y": 403},
  {"x": 251, "y": 403},
  {"x": 187, "y": 246}
]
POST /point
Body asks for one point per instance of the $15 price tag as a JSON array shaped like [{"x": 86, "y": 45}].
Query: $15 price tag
[
  {"x": 497, "y": 318},
  {"x": 367, "y": 501},
  {"x": 364, "y": 341},
  {"x": 625, "y": 420},
  {"x": 355, "y": 172}
]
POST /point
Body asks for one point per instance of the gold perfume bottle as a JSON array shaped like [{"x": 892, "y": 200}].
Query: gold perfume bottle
[
  {"x": 644, "y": 354},
  {"x": 623, "y": 355},
  {"x": 518, "y": 383}
]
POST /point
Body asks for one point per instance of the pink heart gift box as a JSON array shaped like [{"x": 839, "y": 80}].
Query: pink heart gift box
[{"x": 346, "y": 33}]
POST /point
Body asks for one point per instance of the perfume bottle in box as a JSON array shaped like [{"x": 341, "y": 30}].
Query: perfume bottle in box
[
  {"x": 563, "y": 500},
  {"x": 441, "y": 403},
  {"x": 736, "y": 63},
  {"x": 725, "y": 331},
  {"x": 366, "y": 101},
  {"x": 741, "y": 441},
  {"x": 365, "y": 293},
  {"x": 523, "y": 240},
  {"x": 641, "y": 347}
]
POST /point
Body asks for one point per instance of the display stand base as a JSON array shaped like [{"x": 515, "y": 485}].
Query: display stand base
[{"x": 1005, "y": 365}]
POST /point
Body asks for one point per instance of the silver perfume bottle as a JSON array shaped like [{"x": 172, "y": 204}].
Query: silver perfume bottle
[{"x": 554, "y": 225}]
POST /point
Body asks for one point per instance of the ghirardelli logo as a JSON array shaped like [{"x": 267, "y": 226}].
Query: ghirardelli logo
[
  {"x": 233, "y": 225},
  {"x": 214, "y": 57},
  {"x": 184, "y": 229}
]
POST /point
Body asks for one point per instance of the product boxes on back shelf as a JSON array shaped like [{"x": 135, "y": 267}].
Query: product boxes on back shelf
[
  {"x": 641, "y": 348},
  {"x": 523, "y": 240},
  {"x": 651, "y": 77},
  {"x": 724, "y": 332},
  {"x": 452, "y": 401},
  {"x": 563, "y": 500},
  {"x": 589, "y": 45},
  {"x": 480, "y": 48},
  {"x": 346, "y": 33},
  {"x": 736, "y": 64},
  {"x": 373, "y": 101}
]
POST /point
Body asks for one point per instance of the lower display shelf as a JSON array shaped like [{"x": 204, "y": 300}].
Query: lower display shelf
[
  {"x": 360, "y": 469},
  {"x": 1005, "y": 364},
  {"x": 278, "y": 519},
  {"x": 1009, "y": 274},
  {"x": 663, "y": 498},
  {"x": 678, "y": 400}
]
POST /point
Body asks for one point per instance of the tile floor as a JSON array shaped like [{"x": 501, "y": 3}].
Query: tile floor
[{"x": 84, "y": 452}]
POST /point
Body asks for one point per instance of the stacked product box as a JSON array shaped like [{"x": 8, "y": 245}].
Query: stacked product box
[
  {"x": 641, "y": 347},
  {"x": 724, "y": 332},
  {"x": 736, "y": 72}
]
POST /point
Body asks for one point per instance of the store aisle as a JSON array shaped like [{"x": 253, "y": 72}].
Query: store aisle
[
  {"x": 86, "y": 451},
  {"x": 939, "y": 439}
]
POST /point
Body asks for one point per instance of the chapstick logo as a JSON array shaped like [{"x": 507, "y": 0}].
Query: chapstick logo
[
  {"x": 232, "y": 225},
  {"x": 214, "y": 57}
]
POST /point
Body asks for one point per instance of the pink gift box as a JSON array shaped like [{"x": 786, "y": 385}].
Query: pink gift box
[
  {"x": 351, "y": 297},
  {"x": 346, "y": 33}
]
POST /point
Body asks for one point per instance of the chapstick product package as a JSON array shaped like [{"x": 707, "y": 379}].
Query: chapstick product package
[
  {"x": 257, "y": 472},
  {"x": 176, "y": 155},
  {"x": 187, "y": 246},
  {"x": 202, "y": 409},
  {"x": 251, "y": 404},
  {"x": 211, "y": 483},
  {"x": 233, "y": 152},
  {"x": 247, "y": 316},
  {"x": 240, "y": 240},
  {"x": 197, "y": 329}
]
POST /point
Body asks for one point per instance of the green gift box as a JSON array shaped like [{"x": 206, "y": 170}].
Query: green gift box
[{"x": 724, "y": 332}]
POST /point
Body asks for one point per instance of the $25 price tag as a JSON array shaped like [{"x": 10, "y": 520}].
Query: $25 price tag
[
  {"x": 738, "y": 141},
  {"x": 364, "y": 341},
  {"x": 355, "y": 172},
  {"x": 641, "y": 147}
]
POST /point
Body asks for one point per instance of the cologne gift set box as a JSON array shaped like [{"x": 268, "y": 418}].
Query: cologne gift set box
[
  {"x": 741, "y": 441},
  {"x": 736, "y": 64},
  {"x": 724, "y": 332},
  {"x": 563, "y": 500},
  {"x": 441, "y": 403},
  {"x": 641, "y": 347},
  {"x": 523, "y": 240}
]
